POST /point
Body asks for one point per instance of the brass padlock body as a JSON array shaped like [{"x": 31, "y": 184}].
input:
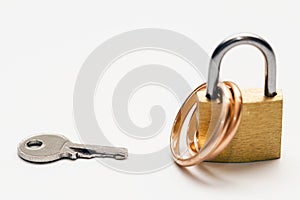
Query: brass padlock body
[{"x": 259, "y": 135}]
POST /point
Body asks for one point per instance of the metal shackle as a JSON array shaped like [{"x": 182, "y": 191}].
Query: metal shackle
[{"x": 229, "y": 43}]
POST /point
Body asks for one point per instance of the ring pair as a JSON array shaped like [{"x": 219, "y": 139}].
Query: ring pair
[{"x": 229, "y": 102}]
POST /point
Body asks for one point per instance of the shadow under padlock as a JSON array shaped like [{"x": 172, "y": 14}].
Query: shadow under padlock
[{"x": 258, "y": 136}]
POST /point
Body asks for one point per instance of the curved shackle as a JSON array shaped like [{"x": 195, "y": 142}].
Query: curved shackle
[{"x": 229, "y": 43}]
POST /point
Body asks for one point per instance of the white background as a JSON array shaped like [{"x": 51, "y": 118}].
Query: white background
[{"x": 42, "y": 47}]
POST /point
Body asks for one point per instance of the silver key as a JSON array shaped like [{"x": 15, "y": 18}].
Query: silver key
[{"x": 48, "y": 148}]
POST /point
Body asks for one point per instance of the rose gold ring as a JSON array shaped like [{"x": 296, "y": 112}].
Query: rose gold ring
[
  {"x": 234, "y": 118},
  {"x": 218, "y": 133}
]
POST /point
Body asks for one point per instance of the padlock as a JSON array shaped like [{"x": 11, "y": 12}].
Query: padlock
[{"x": 258, "y": 136}]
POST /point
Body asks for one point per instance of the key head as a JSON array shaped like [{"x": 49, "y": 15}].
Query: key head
[{"x": 42, "y": 148}]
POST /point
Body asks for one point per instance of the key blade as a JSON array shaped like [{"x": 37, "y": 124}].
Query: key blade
[{"x": 92, "y": 151}]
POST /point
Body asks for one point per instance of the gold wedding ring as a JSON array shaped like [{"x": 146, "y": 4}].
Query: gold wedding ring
[{"x": 230, "y": 102}]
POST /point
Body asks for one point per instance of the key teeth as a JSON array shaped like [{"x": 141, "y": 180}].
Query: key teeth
[
  {"x": 75, "y": 156},
  {"x": 72, "y": 155},
  {"x": 75, "y": 153},
  {"x": 122, "y": 155}
]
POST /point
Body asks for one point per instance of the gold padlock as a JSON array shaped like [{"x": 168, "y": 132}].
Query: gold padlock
[{"x": 258, "y": 137}]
